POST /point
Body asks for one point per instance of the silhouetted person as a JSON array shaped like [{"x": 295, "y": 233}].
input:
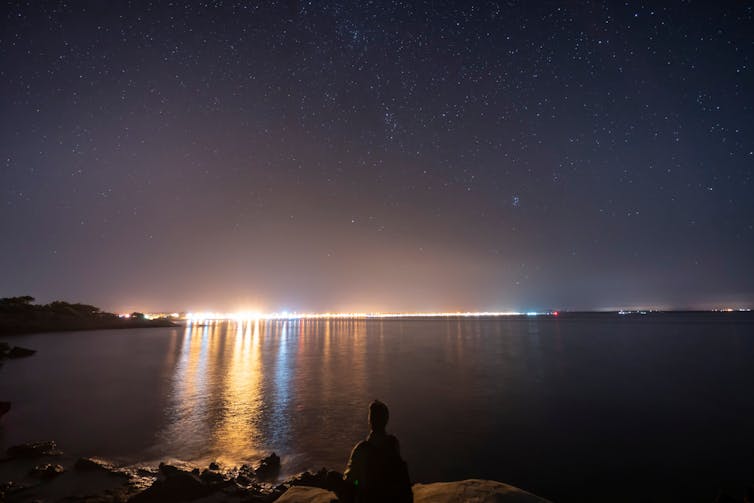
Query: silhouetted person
[{"x": 376, "y": 472}]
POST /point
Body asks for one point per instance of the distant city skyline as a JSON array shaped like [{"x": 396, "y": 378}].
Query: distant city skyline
[{"x": 349, "y": 156}]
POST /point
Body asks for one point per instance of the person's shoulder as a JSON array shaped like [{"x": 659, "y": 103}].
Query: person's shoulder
[
  {"x": 360, "y": 447},
  {"x": 361, "y": 444}
]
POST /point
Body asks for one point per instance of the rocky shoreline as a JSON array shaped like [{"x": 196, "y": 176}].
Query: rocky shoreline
[{"x": 40, "y": 472}]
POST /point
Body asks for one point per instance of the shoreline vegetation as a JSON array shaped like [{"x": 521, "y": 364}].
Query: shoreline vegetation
[{"x": 19, "y": 315}]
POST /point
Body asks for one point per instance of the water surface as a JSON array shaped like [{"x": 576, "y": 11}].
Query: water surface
[{"x": 582, "y": 408}]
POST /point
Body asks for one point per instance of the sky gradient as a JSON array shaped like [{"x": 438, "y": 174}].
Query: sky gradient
[{"x": 378, "y": 155}]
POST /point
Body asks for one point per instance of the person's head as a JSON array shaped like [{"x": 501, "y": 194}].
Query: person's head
[{"x": 378, "y": 416}]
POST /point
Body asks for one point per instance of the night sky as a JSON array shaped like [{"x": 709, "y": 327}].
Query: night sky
[{"x": 378, "y": 155}]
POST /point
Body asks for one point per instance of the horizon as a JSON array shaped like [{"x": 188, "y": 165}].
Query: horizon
[{"x": 237, "y": 312}]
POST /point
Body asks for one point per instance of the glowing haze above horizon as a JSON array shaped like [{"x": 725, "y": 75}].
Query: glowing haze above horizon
[{"x": 377, "y": 156}]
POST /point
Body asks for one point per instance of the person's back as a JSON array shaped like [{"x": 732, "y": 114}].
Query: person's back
[{"x": 376, "y": 472}]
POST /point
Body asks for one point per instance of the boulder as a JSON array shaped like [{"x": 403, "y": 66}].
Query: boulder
[
  {"x": 212, "y": 477},
  {"x": 243, "y": 480},
  {"x": 324, "y": 479},
  {"x": 11, "y": 488},
  {"x": 168, "y": 470},
  {"x": 303, "y": 494},
  {"x": 478, "y": 491},
  {"x": 33, "y": 450},
  {"x": 46, "y": 471},
  {"x": 177, "y": 485},
  {"x": 268, "y": 468},
  {"x": 98, "y": 465},
  {"x": 214, "y": 466},
  {"x": 17, "y": 352}
]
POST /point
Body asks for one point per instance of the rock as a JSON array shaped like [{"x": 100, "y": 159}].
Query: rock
[
  {"x": 243, "y": 480},
  {"x": 178, "y": 485},
  {"x": 324, "y": 479},
  {"x": 98, "y": 465},
  {"x": 212, "y": 477},
  {"x": 214, "y": 466},
  {"x": 329, "y": 480},
  {"x": 46, "y": 471},
  {"x": 145, "y": 471},
  {"x": 4, "y": 408},
  {"x": 10, "y": 488},
  {"x": 245, "y": 476},
  {"x": 302, "y": 494},
  {"x": 89, "y": 464},
  {"x": 268, "y": 468},
  {"x": 168, "y": 470},
  {"x": 17, "y": 352},
  {"x": 479, "y": 491},
  {"x": 33, "y": 450}
]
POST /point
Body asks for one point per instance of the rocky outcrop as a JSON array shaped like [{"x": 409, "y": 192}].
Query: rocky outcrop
[
  {"x": 99, "y": 466},
  {"x": 8, "y": 351},
  {"x": 303, "y": 494},
  {"x": 268, "y": 468},
  {"x": 46, "y": 471},
  {"x": 173, "y": 485},
  {"x": 33, "y": 450},
  {"x": 19, "y": 352},
  {"x": 323, "y": 479},
  {"x": 477, "y": 491}
]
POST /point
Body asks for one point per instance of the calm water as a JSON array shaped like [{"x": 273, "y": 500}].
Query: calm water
[{"x": 586, "y": 408}]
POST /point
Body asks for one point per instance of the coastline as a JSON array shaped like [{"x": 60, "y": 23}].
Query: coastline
[
  {"x": 40, "y": 472},
  {"x": 10, "y": 330},
  {"x": 19, "y": 315}
]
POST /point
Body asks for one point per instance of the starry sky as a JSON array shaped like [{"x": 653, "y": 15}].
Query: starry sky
[{"x": 378, "y": 155}]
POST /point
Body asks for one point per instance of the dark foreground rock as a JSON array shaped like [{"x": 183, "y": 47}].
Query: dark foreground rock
[
  {"x": 8, "y": 351},
  {"x": 329, "y": 480},
  {"x": 175, "y": 485},
  {"x": 47, "y": 471},
  {"x": 19, "y": 352},
  {"x": 33, "y": 450},
  {"x": 269, "y": 467},
  {"x": 478, "y": 491},
  {"x": 99, "y": 466}
]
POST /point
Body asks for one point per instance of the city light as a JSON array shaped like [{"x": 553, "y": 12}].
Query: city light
[{"x": 207, "y": 316}]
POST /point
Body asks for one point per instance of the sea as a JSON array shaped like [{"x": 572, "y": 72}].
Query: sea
[{"x": 578, "y": 407}]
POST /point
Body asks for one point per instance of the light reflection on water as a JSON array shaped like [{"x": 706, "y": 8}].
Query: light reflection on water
[
  {"x": 238, "y": 389},
  {"x": 538, "y": 403}
]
